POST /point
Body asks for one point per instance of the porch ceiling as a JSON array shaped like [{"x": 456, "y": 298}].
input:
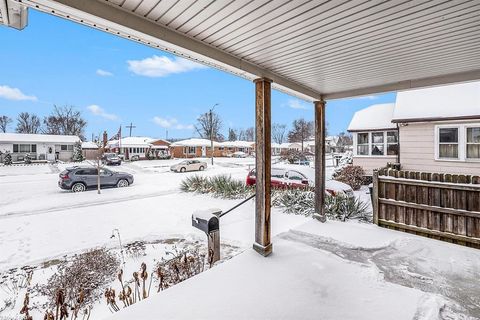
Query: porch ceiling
[{"x": 310, "y": 48}]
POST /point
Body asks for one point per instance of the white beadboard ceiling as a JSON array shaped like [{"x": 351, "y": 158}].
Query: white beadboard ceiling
[{"x": 310, "y": 48}]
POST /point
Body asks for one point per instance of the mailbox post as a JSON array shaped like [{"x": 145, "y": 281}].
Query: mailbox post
[{"x": 208, "y": 222}]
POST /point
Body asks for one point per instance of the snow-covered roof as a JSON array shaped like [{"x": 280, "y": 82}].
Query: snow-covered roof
[
  {"x": 275, "y": 145},
  {"x": 131, "y": 142},
  {"x": 195, "y": 142},
  {"x": 453, "y": 101},
  {"x": 292, "y": 145},
  {"x": 46, "y": 138},
  {"x": 238, "y": 144},
  {"x": 375, "y": 117},
  {"x": 89, "y": 145}
]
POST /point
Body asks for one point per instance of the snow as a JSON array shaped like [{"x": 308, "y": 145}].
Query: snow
[
  {"x": 24, "y": 137},
  {"x": 450, "y": 101},
  {"x": 89, "y": 145},
  {"x": 195, "y": 142},
  {"x": 321, "y": 271},
  {"x": 238, "y": 144},
  {"x": 375, "y": 117},
  {"x": 128, "y": 142}
]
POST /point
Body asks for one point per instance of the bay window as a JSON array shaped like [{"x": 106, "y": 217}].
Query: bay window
[{"x": 377, "y": 143}]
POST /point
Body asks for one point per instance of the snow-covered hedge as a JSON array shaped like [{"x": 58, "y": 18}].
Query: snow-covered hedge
[{"x": 351, "y": 175}]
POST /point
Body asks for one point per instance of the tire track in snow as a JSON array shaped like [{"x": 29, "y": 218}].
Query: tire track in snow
[{"x": 14, "y": 214}]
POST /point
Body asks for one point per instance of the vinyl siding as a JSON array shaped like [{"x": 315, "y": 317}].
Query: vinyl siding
[
  {"x": 370, "y": 163},
  {"x": 417, "y": 151}
]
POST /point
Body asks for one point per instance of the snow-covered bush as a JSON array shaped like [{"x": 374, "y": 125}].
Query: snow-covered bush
[
  {"x": 293, "y": 156},
  {"x": 294, "y": 201},
  {"x": 27, "y": 159},
  {"x": 351, "y": 175},
  {"x": 342, "y": 208},
  {"x": 222, "y": 186},
  {"x": 77, "y": 152},
  {"x": 7, "y": 159}
]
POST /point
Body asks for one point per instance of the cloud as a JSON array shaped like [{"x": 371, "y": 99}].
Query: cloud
[
  {"x": 297, "y": 104},
  {"x": 103, "y": 73},
  {"x": 9, "y": 93},
  {"x": 98, "y": 111},
  {"x": 162, "y": 66},
  {"x": 171, "y": 123}
]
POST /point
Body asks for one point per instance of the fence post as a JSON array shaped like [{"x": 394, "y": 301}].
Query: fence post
[{"x": 375, "y": 197}]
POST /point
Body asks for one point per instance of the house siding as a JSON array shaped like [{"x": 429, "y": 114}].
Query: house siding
[
  {"x": 369, "y": 163},
  {"x": 417, "y": 150}
]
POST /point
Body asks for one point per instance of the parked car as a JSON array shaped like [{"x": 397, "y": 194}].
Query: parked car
[
  {"x": 111, "y": 159},
  {"x": 297, "y": 176},
  {"x": 189, "y": 165},
  {"x": 79, "y": 179},
  {"x": 135, "y": 157},
  {"x": 239, "y": 154}
]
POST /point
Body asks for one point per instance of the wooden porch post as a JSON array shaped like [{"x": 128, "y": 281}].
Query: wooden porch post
[
  {"x": 320, "y": 160},
  {"x": 262, "y": 166}
]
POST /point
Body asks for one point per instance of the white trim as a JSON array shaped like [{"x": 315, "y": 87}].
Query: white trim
[{"x": 462, "y": 142}]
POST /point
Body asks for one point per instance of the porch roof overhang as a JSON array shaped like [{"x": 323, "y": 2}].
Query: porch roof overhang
[{"x": 311, "y": 49}]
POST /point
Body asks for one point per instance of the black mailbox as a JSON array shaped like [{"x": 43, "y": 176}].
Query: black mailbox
[{"x": 207, "y": 221}]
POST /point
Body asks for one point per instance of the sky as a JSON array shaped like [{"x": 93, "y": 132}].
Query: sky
[{"x": 115, "y": 82}]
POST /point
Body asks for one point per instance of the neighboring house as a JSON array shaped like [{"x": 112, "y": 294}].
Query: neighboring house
[
  {"x": 160, "y": 147},
  {"x": 38, "y": 146},
  {"x": 227, "y": 148},
  {"x": 375, "y": 137},
  {"x": 432, "y": 135},
  {"x": 289, "y": 146},
  {"x": 331, "y": 145},
  {"x": 194, "y": 148},
  {"x": 276, "y": 148},
  {"x": 130, "y": 146},
  {"x": 91, "y": 150}
]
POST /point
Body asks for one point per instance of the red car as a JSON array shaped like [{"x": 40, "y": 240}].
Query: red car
[{"x": 300, "y": 177}]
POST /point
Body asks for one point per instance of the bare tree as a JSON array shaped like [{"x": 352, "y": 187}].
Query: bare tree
[
  {"x": 4, "y": 122},
  {"x": 28, "y": 123},
  {"x": 232, "y": 135},
  {"x": 240, "y": 133},
  {"x": 209, "y": 123},
  {"x": 279, "y": 132},
  {"x": 65, "y": 120},
  {"x": 301, "y": 131},
  {"x": 250, "y": 134}
]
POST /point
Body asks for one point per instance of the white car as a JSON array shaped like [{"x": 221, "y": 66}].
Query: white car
[{"x": 189, "y": 165}]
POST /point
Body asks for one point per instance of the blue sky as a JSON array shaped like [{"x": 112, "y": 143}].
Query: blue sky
[{"x": 114, "y": 81}]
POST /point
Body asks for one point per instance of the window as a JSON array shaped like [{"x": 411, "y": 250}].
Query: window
[
  {"x": 362, "y": 144},
  {"x": 392, "y": 143},
  {"x": 473, "y": 143},
  {"x": 189, "y": 150},
  {"x": 448, "y": 143},
  {"x": 293, "y": 175},
  {"x": 66, "y": 147},
  {"x": 26, "y": 148},
  {"x": 86, "y": 172},
  {"x": 377, "y": 144}
]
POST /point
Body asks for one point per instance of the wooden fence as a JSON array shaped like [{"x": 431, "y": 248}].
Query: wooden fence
[{"x": 440, "y": 206}]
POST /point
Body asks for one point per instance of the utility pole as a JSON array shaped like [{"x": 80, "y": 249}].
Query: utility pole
[
  {"x": 131, "y": 126},
  {"x": 211, "y": 130}
]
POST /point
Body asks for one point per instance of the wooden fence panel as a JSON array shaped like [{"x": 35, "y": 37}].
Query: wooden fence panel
[{"x": 441, "y": 206}]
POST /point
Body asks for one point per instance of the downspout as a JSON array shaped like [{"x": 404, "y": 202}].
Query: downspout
[{"x": 398, "y": 152}]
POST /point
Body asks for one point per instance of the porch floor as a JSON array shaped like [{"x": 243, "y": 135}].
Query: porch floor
[{"x": 330, "y": 271}]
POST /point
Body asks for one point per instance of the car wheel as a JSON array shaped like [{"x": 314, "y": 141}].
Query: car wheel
[
  {"x": 78, "y": 187},
  {"x": 182, "y": 169},
  {"x": 122, "y": 183},
  {"x": 201, "y": 168}
]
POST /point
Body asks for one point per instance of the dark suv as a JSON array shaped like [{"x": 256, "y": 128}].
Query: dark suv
[
  {"x": 79, "y": 179},
  {"x": 111, "y": 159}
]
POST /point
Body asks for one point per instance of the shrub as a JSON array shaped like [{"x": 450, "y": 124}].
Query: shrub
[
  {"x": 7, "y": 159},
  {"x": 222, "y": 186},
  {"x": 342, "y": 208},
  {"x": 293, "y": 156},
  {"x": 294, "y": 201},
  {"x": 351, "y": 175}
]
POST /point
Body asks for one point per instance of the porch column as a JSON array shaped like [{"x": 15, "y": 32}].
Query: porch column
[
  {"x": 262, "y": 166},
  {"x": 320, "y": 160}
]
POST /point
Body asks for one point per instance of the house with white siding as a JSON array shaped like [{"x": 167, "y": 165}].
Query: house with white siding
[
  {"x": 422, "y": 131},
  {"x": 45, "y": 147}
]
